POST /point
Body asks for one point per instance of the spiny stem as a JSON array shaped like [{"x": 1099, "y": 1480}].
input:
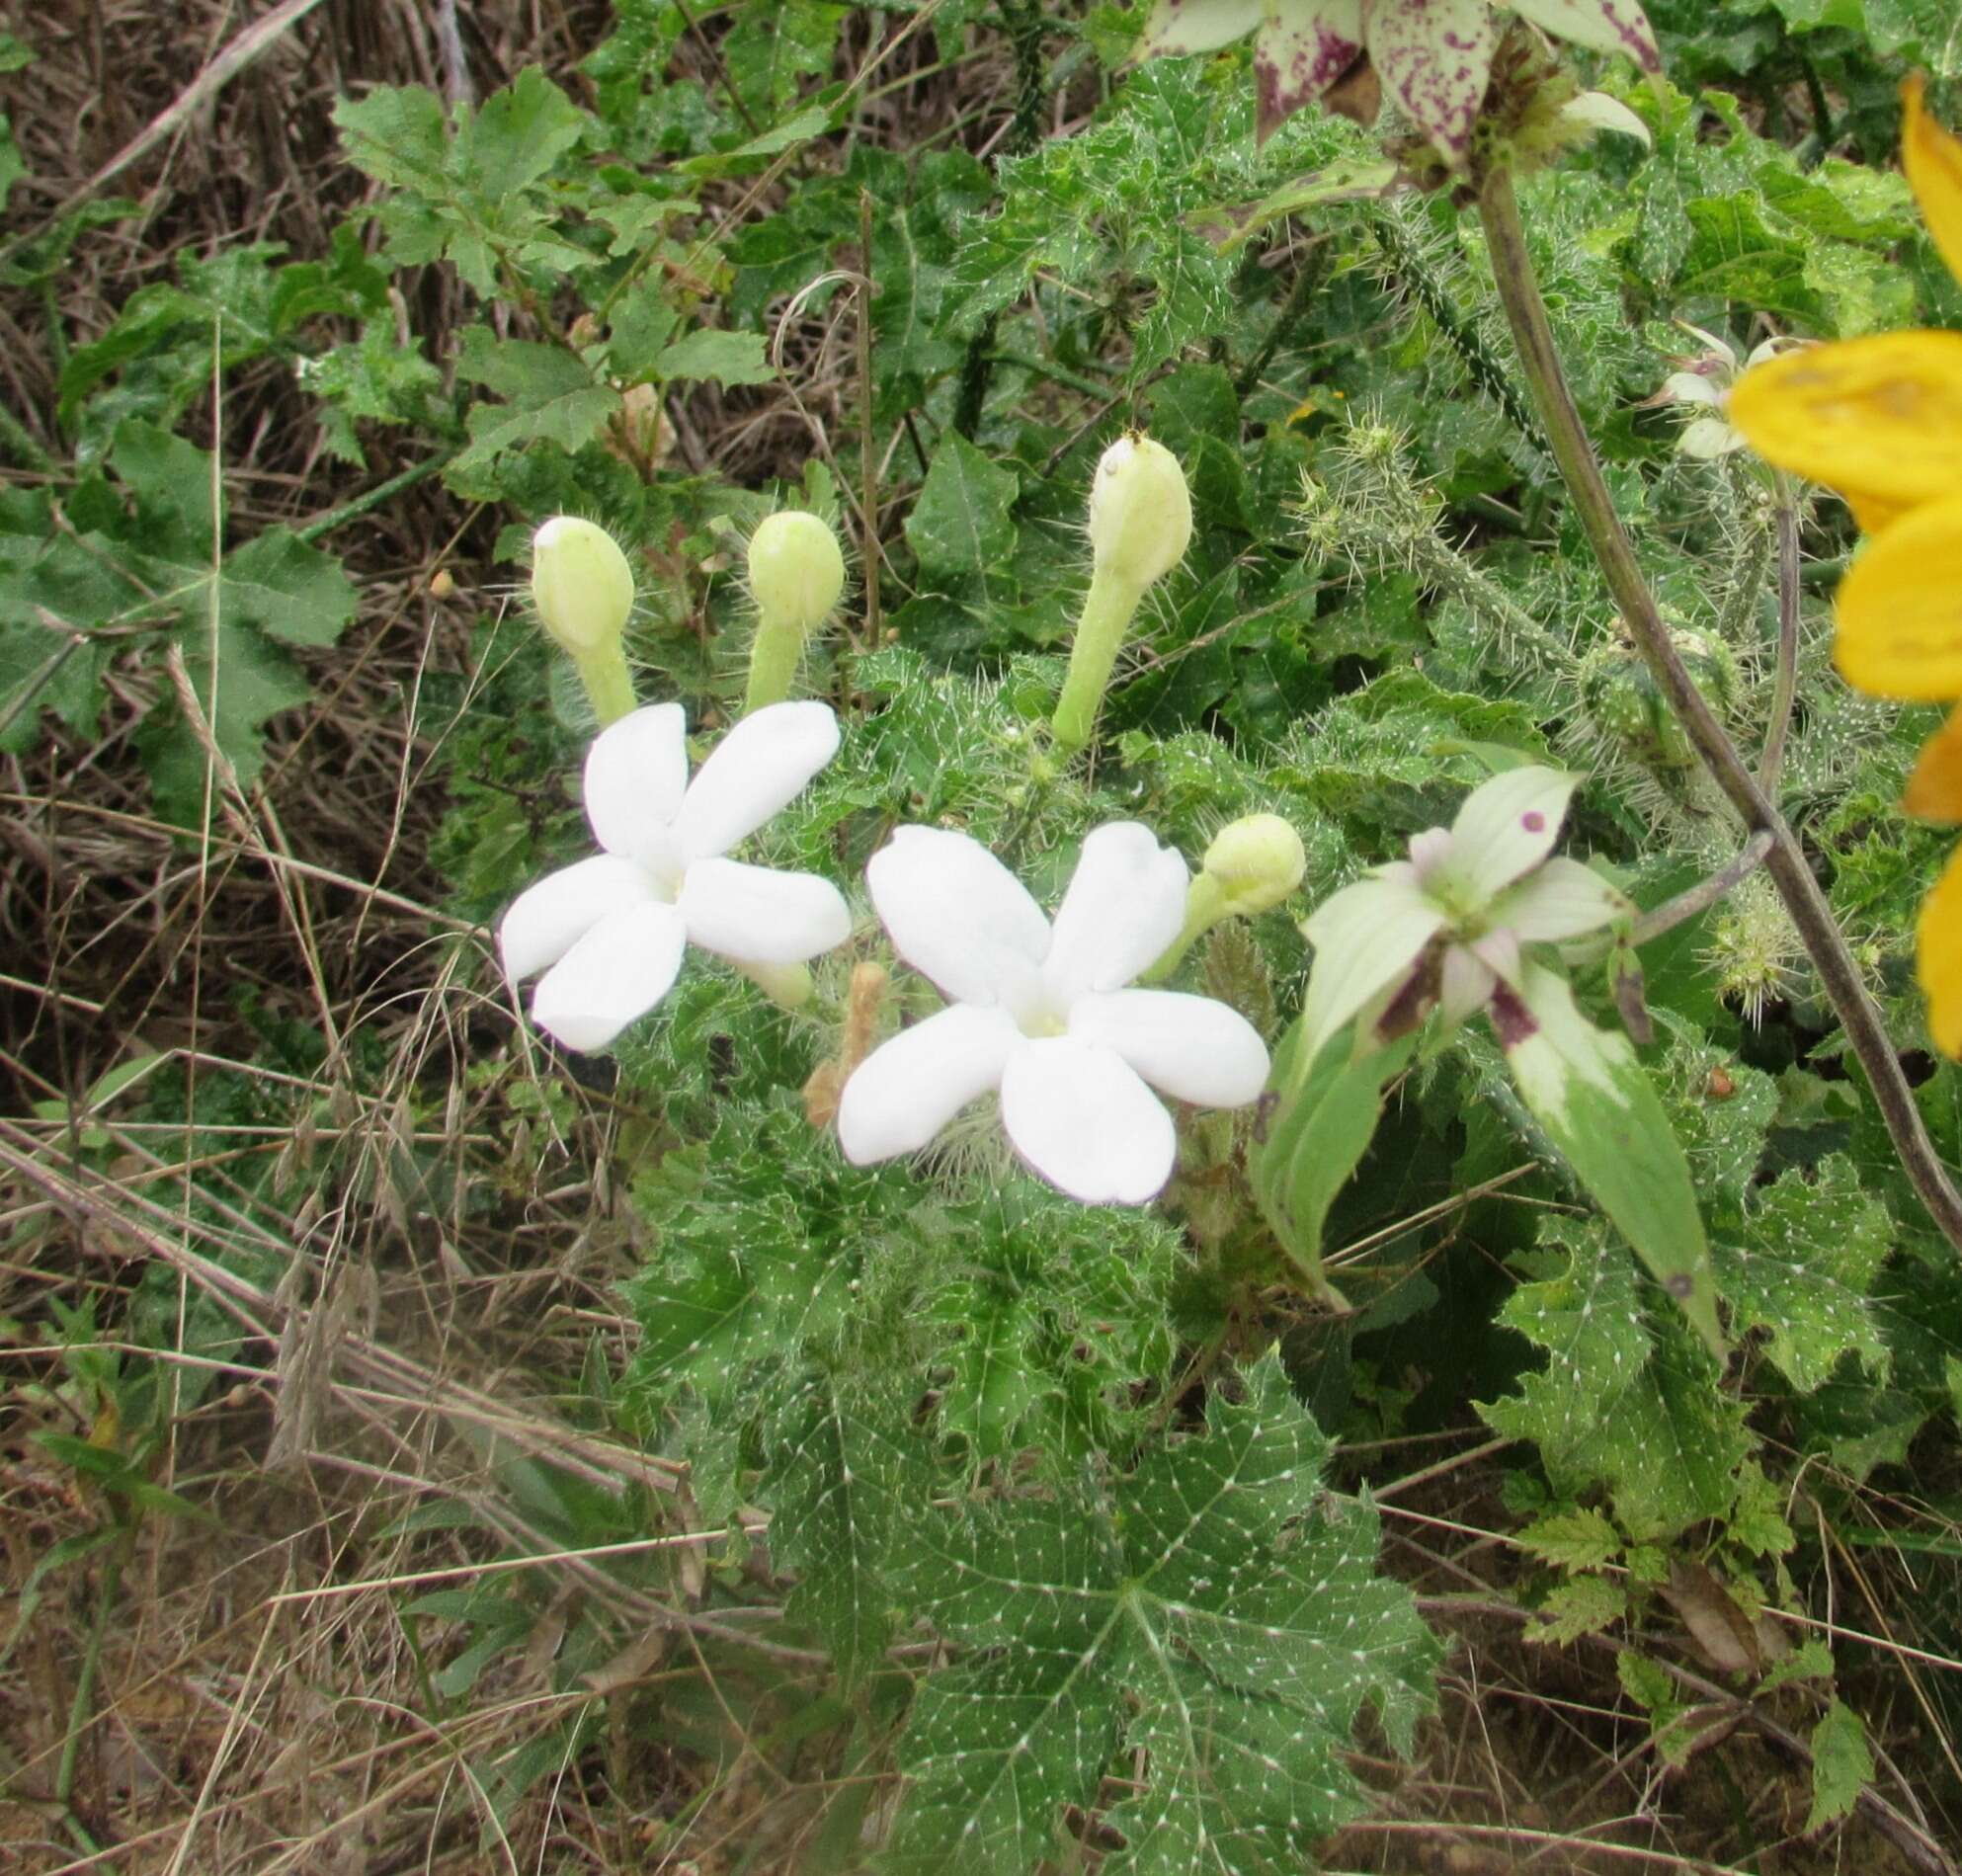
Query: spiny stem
[
  {"x": 1811, "y": 915},
  {"x": 1784, "y": 683},
  {"x": 1705, "y": 893}
]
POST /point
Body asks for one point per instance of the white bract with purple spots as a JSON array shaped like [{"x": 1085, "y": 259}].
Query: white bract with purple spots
[
  {"x": 1043, "y": 1013},
  {"x": 609, "y": 931},
  {"x": 1434, "y": 56},
  {"x": 1446, "y": 924}
]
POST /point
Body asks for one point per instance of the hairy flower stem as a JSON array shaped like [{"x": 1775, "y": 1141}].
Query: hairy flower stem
[
  {"x": 609, "y": 686},
  {"x": 1784, "y": 683},
  {"x": 1107, "y": 611},
  {"x": 1825, "y": 945}
]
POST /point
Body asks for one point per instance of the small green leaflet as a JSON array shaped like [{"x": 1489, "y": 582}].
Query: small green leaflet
[
  {"x": 1585, "y": 1086},
  {"x": 723, "y": 358},
  {"x": 1842, "y": 1765},
  {"x": 1206, "y": 1618},
  {"x": 550, "y": 397},
  {"x": 1321, "y": 1126}
]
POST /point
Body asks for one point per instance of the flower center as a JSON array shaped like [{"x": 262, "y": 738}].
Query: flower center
[{"x": 660, "y": 856}]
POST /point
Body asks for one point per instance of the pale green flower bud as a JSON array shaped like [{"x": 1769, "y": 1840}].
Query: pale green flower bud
[
  {"x": 581, "y": 582},
  {"x": 1257, "y": 861},
  {"x": 583, "y": 588},
  {"x": 1253, "y": 864},
  {"x": 796, "y": 574},
  {"x": 796, "y": 570},
  {"x": 1140, "y": 512}
]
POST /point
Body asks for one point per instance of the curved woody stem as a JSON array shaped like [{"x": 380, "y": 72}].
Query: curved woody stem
[{"x": 1532, "y": 333}]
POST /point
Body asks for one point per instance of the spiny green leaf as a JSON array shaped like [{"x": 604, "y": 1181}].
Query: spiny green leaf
[
  {"x": 961, "y": 524},
  {"x": 1193, "y": 1618},
  {"x": 843, "y": 1464},
  {"x": 1574, "y": 1539},
  {"x": 1806, "y": 1258}
]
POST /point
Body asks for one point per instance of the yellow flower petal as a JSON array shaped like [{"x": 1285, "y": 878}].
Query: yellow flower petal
[
  {"x": 1900, "y": 609},
  {"x": 1938, "y": 956},
  {"x": 1934, "y": 162},
  {"x": 1872, "y": 515},
  {"x": 1934, "y": 790},
  {"x": 1878, "y": 418}
]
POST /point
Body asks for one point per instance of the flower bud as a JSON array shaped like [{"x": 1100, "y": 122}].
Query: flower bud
[
  {"x": 581, "y": 582},
  {"x": 1140, "y": 512},
  {"x": 797, "y": 571},
  {"x": 1257, "y": 861}
]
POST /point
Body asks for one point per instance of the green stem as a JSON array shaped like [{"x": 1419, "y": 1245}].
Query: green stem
[
  {"x": 609, "y": 684},
  {"x": 1205, "y": 906},
  {"x": 773, "y": 659},
  {"x": 1791, "y": 872},
  {"x": 85, "y": 1679},
  {"x": 1784, "y": 683},
  {"x": 1107, "y": 611},
  {"x": 787, "y": 985}
]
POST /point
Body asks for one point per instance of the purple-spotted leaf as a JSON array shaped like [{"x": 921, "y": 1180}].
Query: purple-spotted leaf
[
  {"x": 1435, "y": 56},
  {"x": 1603, "y": 26},
  {"x": 1586, "y": 1090},
  {"x": 1176, "y": 27},
  {"x": 1304, "y": 47}
]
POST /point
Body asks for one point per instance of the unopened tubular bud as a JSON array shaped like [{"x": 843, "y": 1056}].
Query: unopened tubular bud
[
  {"x": 1141, "y": 524},
  {"x": 582, "y": 584},
  {"x": 583, "y": 588},
  {"x": 1253, "y": 864},
  {"x": 796, "y": 574},
  {"x": 1258, "y": 860},
  {"x": 1140, "y": 512}
]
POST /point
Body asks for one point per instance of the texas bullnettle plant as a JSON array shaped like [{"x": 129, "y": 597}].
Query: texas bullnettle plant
[
  {"x": 1259, "y": 860},
  {"x": 1118, "y": 1047}
]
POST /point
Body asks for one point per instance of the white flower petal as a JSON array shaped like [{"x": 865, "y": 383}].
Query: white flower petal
[
  {"x": 909, "y": 1087},
  {"x": 1596, "y": 111},
  {"x": 548, "y": 920},
  {"x": 1125, "y": 904},
  {"x": 1708, "y": 438},
  {"x": 1604, "y": 26},
  {"x": 1464, "y": 985},
  {"x": 1178, "y": 27},
  {"x": 758, "y": 915},
  {"x": 1692, "y": 387},
  {"x": 1506, "y": 828},
  {"x": 1364, "y": 937},
  {"x": 619, "y": 970},
  {"x": 1435, "y": 57},
  {"x": 1192, "y": 1048},
  {"x": 635, "y": 773},
  {"x": 956, "y": 914},
  {"x": 1561, "y": 899},
  {"x": 760, "y": 766},
  {"x": 1079, "y": 1116}
]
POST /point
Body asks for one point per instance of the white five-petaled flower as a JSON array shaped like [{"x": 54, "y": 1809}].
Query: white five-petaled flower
[
  {"x": 1043, "y": 1012},
  {"x": 1461, "y": 906},
  {"x": 1434, "y": 56},
  {"x": 611, "y": 929},
  {"x": 1704, "y": 384}
]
